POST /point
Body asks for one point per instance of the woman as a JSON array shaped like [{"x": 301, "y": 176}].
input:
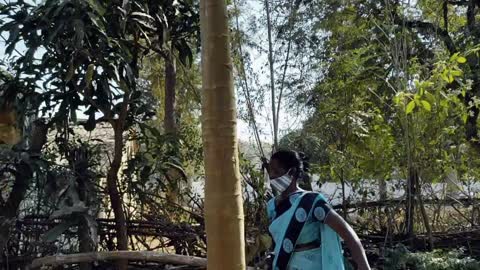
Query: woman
[{"x": 304, "y": 227}]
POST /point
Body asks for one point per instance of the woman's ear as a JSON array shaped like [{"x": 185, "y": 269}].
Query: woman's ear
[{"x": 294, "y": 173}]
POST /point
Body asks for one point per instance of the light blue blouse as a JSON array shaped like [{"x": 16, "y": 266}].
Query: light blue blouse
[{"x": 328, "y": 256}]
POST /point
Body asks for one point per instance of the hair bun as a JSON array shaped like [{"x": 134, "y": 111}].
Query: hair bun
[
  {"x": 304, "y": 160},
  {"x": 303, "y": 157}
]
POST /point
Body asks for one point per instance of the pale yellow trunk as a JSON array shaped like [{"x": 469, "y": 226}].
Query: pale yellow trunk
[{"x": 223, "y": 191}]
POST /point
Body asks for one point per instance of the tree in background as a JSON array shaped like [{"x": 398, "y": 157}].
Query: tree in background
[{"x": 96, "y": 71}]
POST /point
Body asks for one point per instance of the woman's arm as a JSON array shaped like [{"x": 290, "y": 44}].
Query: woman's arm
[{"x": 338, "y": 224}]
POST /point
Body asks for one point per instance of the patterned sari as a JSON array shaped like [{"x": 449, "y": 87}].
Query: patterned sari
[{"x": 306, "y": 217}]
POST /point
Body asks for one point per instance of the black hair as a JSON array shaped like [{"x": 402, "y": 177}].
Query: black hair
[{"x": 289, "y": 159}]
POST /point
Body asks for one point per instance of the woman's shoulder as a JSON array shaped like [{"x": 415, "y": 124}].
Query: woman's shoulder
[
  {"x": 318, "y": 196},
  {"x": 271, "y": 202}
]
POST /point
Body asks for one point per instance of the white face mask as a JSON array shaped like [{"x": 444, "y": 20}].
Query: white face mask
[{"x": 280, "y": 184}]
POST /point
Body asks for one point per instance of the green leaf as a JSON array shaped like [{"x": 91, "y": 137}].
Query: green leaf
[
  {"x": 410, "y": 106},
  {"x": 59, "y": 9},
  {"x": 89, "y": 74},
  {"x": 450, "y": 78},
  {"x": 456, "y": 73},
  {"x": 70, "y": 72},
  {"x": 54, "y": 34},
  {"x": 124, "y": 86},
  {"x": 144, "y": 24},
  {"x": 444, "y": 75},
  {"x": 444, "y": 103},
  {"x": 13, "y": 35},
  {"x": 91, "y": 123},
  {"x": 141, "y": 14},
  {"x": 56, "y": 231},
  {"x": 454, "y": 57},
  {"x": 73, "y": 115},
  {"x": 98, "y": 22},
  {"x": 97, "y": 6},
  {"x": 422, "y": 91},
  {"x": 426, "y": 105},
  {"x": 461, "y": 60},
  {"x": 79, "y": 27}
]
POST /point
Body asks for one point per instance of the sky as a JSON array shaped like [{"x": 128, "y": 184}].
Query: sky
[{"x": 259, "y": 60}]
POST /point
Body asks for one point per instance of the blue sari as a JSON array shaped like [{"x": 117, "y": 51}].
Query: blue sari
[{"x": 328, "y": 256}]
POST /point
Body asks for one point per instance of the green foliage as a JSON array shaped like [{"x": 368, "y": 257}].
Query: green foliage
[
  {"x": 99, "y": 67},
  {"x": 86, "y": 56},
  {"x": 401, "y": 258},
  {"x": 379, "y": 109}
]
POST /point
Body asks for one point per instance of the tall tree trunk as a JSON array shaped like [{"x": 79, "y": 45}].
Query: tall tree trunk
[
  {"x": 79, "y": 163},
  {"x": 85, "y": 243},
  {"x": 223, "y": 191},
  {"x": 411, "y": 194},
  {"x": 344, "y": 195},
  {"x": 23, "y": 174},
  {"x": 423, "y": 211},
  {"x": 114, "y": 194},
  {"x": 170, "y": 123},
  {"x": 272, "y": 75},
  {"x": 382, "y": 186},
  {"x": 170, "y": 94}
]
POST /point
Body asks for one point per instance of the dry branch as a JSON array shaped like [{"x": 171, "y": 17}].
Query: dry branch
[
  {"x": 149, "y": 256},
  {"x": 393, "y": 202}
]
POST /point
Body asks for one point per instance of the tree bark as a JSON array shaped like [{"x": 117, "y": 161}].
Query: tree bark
[
  {"x": 170, "y": 93},
  {"x": 223, "y": 190},
  {"x": 114, "y": 194}
]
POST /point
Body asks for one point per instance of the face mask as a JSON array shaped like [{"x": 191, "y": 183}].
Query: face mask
[{"x": 280, "y": 184}]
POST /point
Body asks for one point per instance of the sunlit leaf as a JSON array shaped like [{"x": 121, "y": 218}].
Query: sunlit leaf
[
  {"x": 89, "y": 74},
  {"x": 450, "y": 78},
  {"x": 456, "y": 73},
  {"x": 426, "y": 105},
  {"x": 410, "y": 106},
  {"x": 97, "y": 6},
  {"x": 461, "y": 60}
]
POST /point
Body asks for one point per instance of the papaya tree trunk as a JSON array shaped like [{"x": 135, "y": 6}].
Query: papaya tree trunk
[
  {"x": 114, "y": 193},
  {"x": 223, "y": 191},
  {"x": 170, "y": 94}
]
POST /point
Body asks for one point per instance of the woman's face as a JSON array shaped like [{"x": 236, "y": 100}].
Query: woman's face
[{"x": 275, "y": 169}]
